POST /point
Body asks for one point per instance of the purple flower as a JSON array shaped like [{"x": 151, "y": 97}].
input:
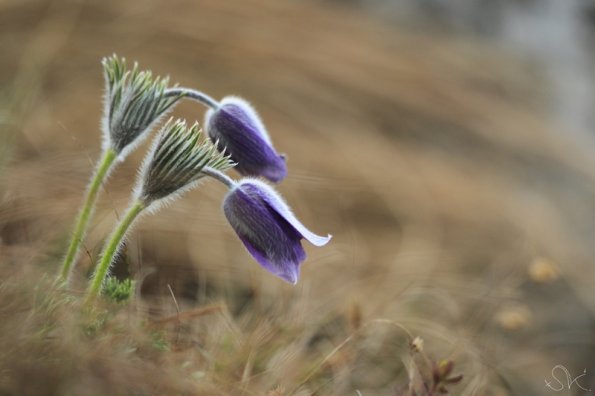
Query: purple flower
[
  {"x": 238, "y": 129},
  {"x": 268, "y": 228}
]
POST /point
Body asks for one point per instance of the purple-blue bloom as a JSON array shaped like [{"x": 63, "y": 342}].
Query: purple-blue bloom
[
  {"x": 268, "y": 228},
  {"x": 239, "y": 130}
]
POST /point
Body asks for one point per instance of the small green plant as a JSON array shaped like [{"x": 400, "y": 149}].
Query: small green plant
[
  {"x": 118, "y": 291},
  {"x": 158, "y": 341}
]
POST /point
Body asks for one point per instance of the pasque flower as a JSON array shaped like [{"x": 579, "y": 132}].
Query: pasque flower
[
  {"x": 239, "y": 130},
  {"x": 267, "y": 227},
  {"x": 134, "y": 103},
  {"x": 175, "y": 164}
]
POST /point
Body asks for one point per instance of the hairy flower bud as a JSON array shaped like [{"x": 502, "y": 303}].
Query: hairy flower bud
[
  {"x": 134, "y": 103},
  {"x": 268, "y": 228},
  {"x": 176, "y": 161},
  {"x": 240, "y": 131}
]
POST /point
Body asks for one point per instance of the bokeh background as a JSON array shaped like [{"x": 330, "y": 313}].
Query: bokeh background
[{"x": 448, "y": 147}]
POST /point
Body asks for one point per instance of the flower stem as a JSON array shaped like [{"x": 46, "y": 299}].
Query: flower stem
[
  {"x": 111, "y": 249},
  {"x": 220, "y": 176},
  {"x": 193, "y": 94},
  {"x": 86, "y": 211}
]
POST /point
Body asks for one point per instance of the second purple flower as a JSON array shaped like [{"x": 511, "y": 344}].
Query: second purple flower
[
  {"x": 238, "y": 129},
  {"x": 268, "y": 228}
]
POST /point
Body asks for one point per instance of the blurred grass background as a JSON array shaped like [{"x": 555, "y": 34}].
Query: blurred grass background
[{"x": 460, "y": 198}]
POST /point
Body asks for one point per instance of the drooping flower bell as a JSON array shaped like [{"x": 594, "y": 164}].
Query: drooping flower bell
[
  {"x": 239, "y": 130},
  {"x": 267, "y": 227}
]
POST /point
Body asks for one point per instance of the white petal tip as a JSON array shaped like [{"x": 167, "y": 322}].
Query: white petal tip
[
  {"x": 317, "y": 240},
  {"x": 291, "y": 278}
]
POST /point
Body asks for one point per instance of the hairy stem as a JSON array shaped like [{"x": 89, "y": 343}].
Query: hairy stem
[
  {"x": 86, "y": 212},
  {"x": 220, "y": 176},
  {"x": 193, "y": 94},
  {"x": 111, "y": 249}
]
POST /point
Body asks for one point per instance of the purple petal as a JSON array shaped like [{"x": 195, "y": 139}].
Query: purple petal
[
  {"x": 273, "y": 242},
  {"x": 272, "y": 198},
  {"x": 238, "y": 129},
  {"x": 288, "y": 271},
  {"x": 247, "y": 114}
]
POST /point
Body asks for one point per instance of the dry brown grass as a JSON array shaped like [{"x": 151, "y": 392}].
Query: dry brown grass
[{"x": 430, "y": 157}]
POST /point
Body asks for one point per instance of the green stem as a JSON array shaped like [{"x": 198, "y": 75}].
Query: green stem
[
  {"x": 84, "y": 216},
  {"x": 111, "y": 249}
]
